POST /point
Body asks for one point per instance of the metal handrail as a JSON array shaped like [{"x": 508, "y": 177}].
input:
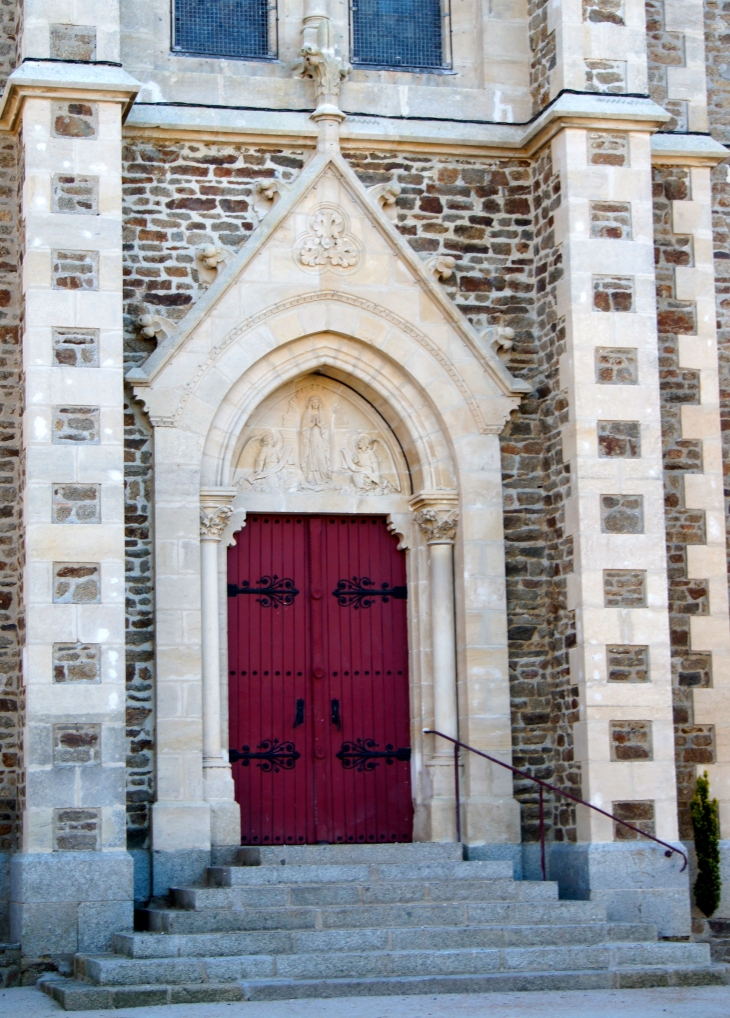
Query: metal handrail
[{"x": 670, "y": 849}]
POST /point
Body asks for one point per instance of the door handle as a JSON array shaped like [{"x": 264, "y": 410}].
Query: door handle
[
  {"x": 299, "y": 716},
  {"x": 336, "y": 719}
]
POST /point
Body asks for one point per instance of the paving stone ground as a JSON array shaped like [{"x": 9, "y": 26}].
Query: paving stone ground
[{"x": 707, "y": 1001}]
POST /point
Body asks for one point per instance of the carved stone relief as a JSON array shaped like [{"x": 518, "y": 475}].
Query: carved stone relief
[
  {"x": 318, "y": 435},
  {"x": 327, "y": 243}
]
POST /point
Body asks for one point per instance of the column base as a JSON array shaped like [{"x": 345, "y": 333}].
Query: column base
[
  {"x": 225, "y": 822},
  {"x": 635, "y": 881},
  {"x": 64, "y": 902}
]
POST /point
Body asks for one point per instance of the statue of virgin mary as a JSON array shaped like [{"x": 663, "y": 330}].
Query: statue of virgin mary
[{"x": 315, "y": 442}]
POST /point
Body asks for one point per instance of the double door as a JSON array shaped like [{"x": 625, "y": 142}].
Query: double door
[{"x": 318, "y": 680}]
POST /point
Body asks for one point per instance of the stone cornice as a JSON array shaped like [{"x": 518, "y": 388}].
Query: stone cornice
[
  {"x": 55, "y": 79},
  {"x": 580, "y": 110}
]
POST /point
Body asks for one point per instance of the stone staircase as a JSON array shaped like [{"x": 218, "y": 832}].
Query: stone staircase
[{"x": 367, "y": 920}]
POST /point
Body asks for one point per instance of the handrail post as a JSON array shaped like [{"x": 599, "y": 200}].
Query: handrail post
[
  {"x": 456, "y": 792},
  {"x": 542, "y": 835}
]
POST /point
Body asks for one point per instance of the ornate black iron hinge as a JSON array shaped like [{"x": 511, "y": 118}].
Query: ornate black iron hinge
[
  {"x": 272, "y": 592},
  {"x": 362, "y": 592},
  {"x": 362, "y": 755},
  {"x": 272, "y": 754}
]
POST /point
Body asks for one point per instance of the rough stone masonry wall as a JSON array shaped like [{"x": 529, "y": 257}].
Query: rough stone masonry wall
[
  {"x": 177, "y": 197},
  {"x": 717, "y": 48},
  {"x": 688, "y": 595},
  {"x": 11, "y": 482}
]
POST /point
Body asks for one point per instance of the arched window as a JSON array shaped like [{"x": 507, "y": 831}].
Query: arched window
[
  {"x": 408, "y": 34},
  {"x": 243, "y": 29}
]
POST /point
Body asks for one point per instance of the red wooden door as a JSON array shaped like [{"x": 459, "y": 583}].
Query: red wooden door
[{"x": 318, "y": 680}]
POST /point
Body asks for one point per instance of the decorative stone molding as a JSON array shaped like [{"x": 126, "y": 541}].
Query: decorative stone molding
[
  {"x": 437, "y": 514},
  {"x": 155, "y": 327},
  {"x": 215, "y": 512},
  {"x": 324, "y": 64},
  {"x": 442, "y": 266},
  {"x": 327, "y": 244},
  {"x": 211, "y": 258}
]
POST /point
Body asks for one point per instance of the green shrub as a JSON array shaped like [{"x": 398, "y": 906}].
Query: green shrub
[{"x": 706, "y": 823}]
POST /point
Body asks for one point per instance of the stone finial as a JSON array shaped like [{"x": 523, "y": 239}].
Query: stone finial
[
  {"x": 211, "y": 258},
  {"x": 323, "y": 62},
  {"x": 442, "y": 266},
  {"x": 155, "y": 327}
]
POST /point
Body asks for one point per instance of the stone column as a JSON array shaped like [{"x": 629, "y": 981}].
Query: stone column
[
  {"x": 438, "y": 520},
  {"x": 225, "y": 820},
  {"x": 72, "y": 883}
]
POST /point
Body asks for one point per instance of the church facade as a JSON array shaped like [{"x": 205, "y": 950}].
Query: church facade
[{"x": 364, "y": 376}]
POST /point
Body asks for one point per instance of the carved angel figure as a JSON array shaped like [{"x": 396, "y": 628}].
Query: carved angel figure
[
  {"x": 326, "y": 242},
  {"x": 316, "y": 461},
  {"x": 271, "y": 458},
  {"x": 364, "y": 466}
]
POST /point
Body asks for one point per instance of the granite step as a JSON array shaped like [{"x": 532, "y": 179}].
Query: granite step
[
  {"x": 368, "y": 854},
  {"x": 112, "y": 970},
  {"x": 230, "y": 876},
  {"x": 351, "y": 893},
  {"x": 508, "y": 913},
  {"x": 153, "y": 945}
]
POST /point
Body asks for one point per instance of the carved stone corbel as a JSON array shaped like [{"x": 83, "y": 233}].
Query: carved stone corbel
[
  {"x": 324, "y": 64},
  {"x": 497, "y": 339},
  {"x": 267, "y": 193}
]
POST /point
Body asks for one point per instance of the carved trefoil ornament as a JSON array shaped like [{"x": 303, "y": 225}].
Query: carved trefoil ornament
[{"x": 328, "y": 244}]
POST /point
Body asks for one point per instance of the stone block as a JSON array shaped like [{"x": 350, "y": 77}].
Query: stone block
[
  {"x": 75, "y": 270},
  {"x": 613, "y": 293},
  {"x": 608, "y": 76},
  {"x": 76, "y": 424},
  {"x": 76, "y": 830},
  {"x": 76, "y": 503},
  {"x": 616, "y": 365},
  {"x": 619, "y": 439},
  {"x": 604, "y": 11},
  {"x": 100, "y": 920},
  {"x": 631, "y": 740},
  {"x": 76, "y": 348},
  {"x": 76, "y": 662},
  {"x": 624, "y": 588},
  {"x": 76, "y": 583},
  {"x": 75, "y": 120},
  {"x": 71, "y": 877},
  {"x": 73, "y": 42},
  {"x": 76, "y": 745},
  {"x": 627, "y": 663},
  {"x": 622, "y": 514},
  {"x": 639, "y": 813},
  {"x": 75, "y": 194},
  {"x": 608, "y": 148},
  {"x": 48, "y": 928},
  {"x": 610, "y": 220},
  {"x": 178, "y": 868}
]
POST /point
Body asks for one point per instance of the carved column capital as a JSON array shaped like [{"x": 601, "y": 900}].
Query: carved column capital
[
  {"x": 215, "y": 512},
  {"x": 437, "y": 515}
]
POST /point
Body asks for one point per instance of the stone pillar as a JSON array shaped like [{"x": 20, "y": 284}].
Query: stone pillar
[
  {"x": 437, "y": 520},
  {"x": 225, "y": 818},
  {"x": 620, "y": 664},
  {"x": 71, "y": 885}
]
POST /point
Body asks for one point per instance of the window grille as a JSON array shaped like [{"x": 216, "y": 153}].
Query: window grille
[
  {"x": 242, "y": 29},
  {"x": 401, "y": 34}
]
